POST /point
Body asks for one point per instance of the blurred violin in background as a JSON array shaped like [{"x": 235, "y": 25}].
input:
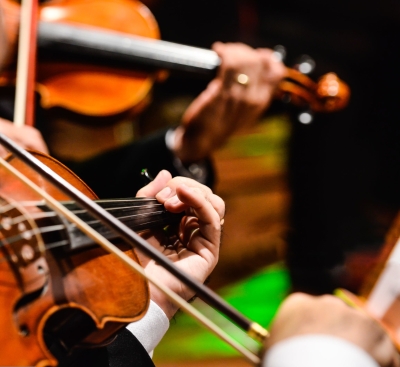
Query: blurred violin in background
[
  {"x": 97, "y": 62},
  {"x": 95, "y": 35},
  {"x": 93, "y": 53}
]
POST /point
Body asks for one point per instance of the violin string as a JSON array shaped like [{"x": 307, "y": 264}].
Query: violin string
[
  {"x": 122, "y": 218},
  {"x": 50, "y": 214},
  {"x": 252, "y": 328},
  {"x": 39, "y": 230},
  {"x": 49, "y": 246},
  {"x": 30, "y": 233},
  {"x": 37, "y": 215},
  {"x": 9, "y": 206},
  {"x": 41, "y": 215},
  {"x": 29, "y": 203}
]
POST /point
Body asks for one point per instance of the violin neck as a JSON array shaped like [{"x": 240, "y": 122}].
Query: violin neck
[
  {"x": 114, "y": 48},
  {"x": 139, "y": 214}
]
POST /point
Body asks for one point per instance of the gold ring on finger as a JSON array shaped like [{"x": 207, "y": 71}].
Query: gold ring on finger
[{"x": 243, "y": 79}]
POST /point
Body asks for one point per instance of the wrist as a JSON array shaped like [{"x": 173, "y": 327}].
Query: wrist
[
  {"x": 174, "y": 142},
  {"x": 150, "y": 329},
  {"x": 168, "y": 307},
  {"x": 197, "y": 170},
  {"x": 187, "y": 145}
]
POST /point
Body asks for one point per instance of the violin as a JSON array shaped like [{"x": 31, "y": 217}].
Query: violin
[
  {"x": 379, "y": 294},
  {"x": 100, "y": 48},
  {"x": 51, "y": 287},
  {"x": 47, "y": 274},
  {"x": 47, "y": 266}
]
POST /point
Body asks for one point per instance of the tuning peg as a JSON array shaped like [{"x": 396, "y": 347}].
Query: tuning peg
[
  {"x": 305, "y": 64},
  {"x": 305, "y": 117},
  {"x": 280, "y": 52}
]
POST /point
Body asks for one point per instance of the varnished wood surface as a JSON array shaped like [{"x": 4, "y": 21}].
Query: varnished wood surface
[{"x": 85, "y": 281}]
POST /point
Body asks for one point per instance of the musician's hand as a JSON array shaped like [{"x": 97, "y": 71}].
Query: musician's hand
[
  {"x": 196, "y": 248},
  {"x": 301, "y": 314},
  {"x": 226, "y": 104},
  {"x": 26, "y": 136}
]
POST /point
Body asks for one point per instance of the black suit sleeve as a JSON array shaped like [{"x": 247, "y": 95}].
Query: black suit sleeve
[
  {"x": 124, "y": 351},
  {"x": 116, "y": 173},
  {"x": 127, "y": 351}
]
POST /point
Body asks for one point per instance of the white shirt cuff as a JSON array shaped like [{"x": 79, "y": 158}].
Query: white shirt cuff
[
  {"x": 151, "y": 328},
  {"x": 315, "y": 351},
  {"x": 197, "y": 171}
]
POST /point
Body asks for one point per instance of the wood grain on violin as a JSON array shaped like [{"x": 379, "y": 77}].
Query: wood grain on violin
[
  {"x": 71, "y": 322},
  {"x": 58, "y": 288},
  {"x": 107, "y": 40},
  {"x": 90, "y": 89}
]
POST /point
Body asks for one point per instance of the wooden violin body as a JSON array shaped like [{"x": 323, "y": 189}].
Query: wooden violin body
[
  {"x": 55, "y": 297},
  {"x": 95, "y": 88},
  {"x": 104, "y": 89},
  {"x": 92, "y": 53}
]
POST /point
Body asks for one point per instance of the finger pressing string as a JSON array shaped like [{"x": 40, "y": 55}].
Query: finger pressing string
[
  {"x": 191, "y": 225},
  {"x": 208, "y": 219},
  {"x": 196, "y": 230},
  {"x": 198, "y": 200}
]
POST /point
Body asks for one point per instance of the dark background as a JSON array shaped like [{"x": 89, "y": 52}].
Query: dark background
[{"x": 344, "y": 167}]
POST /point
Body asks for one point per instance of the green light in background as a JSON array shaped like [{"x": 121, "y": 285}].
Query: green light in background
[{"x": 257, "y": 297}]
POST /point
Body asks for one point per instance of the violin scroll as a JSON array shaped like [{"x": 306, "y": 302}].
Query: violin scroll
[
  {"x": 333, "y": 93},
  {"x": 329, "y": 94}
]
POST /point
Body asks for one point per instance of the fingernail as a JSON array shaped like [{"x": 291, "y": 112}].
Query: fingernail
[
  {"x": 165, "y": 193},
  {"x": 173, "y": 200}
]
